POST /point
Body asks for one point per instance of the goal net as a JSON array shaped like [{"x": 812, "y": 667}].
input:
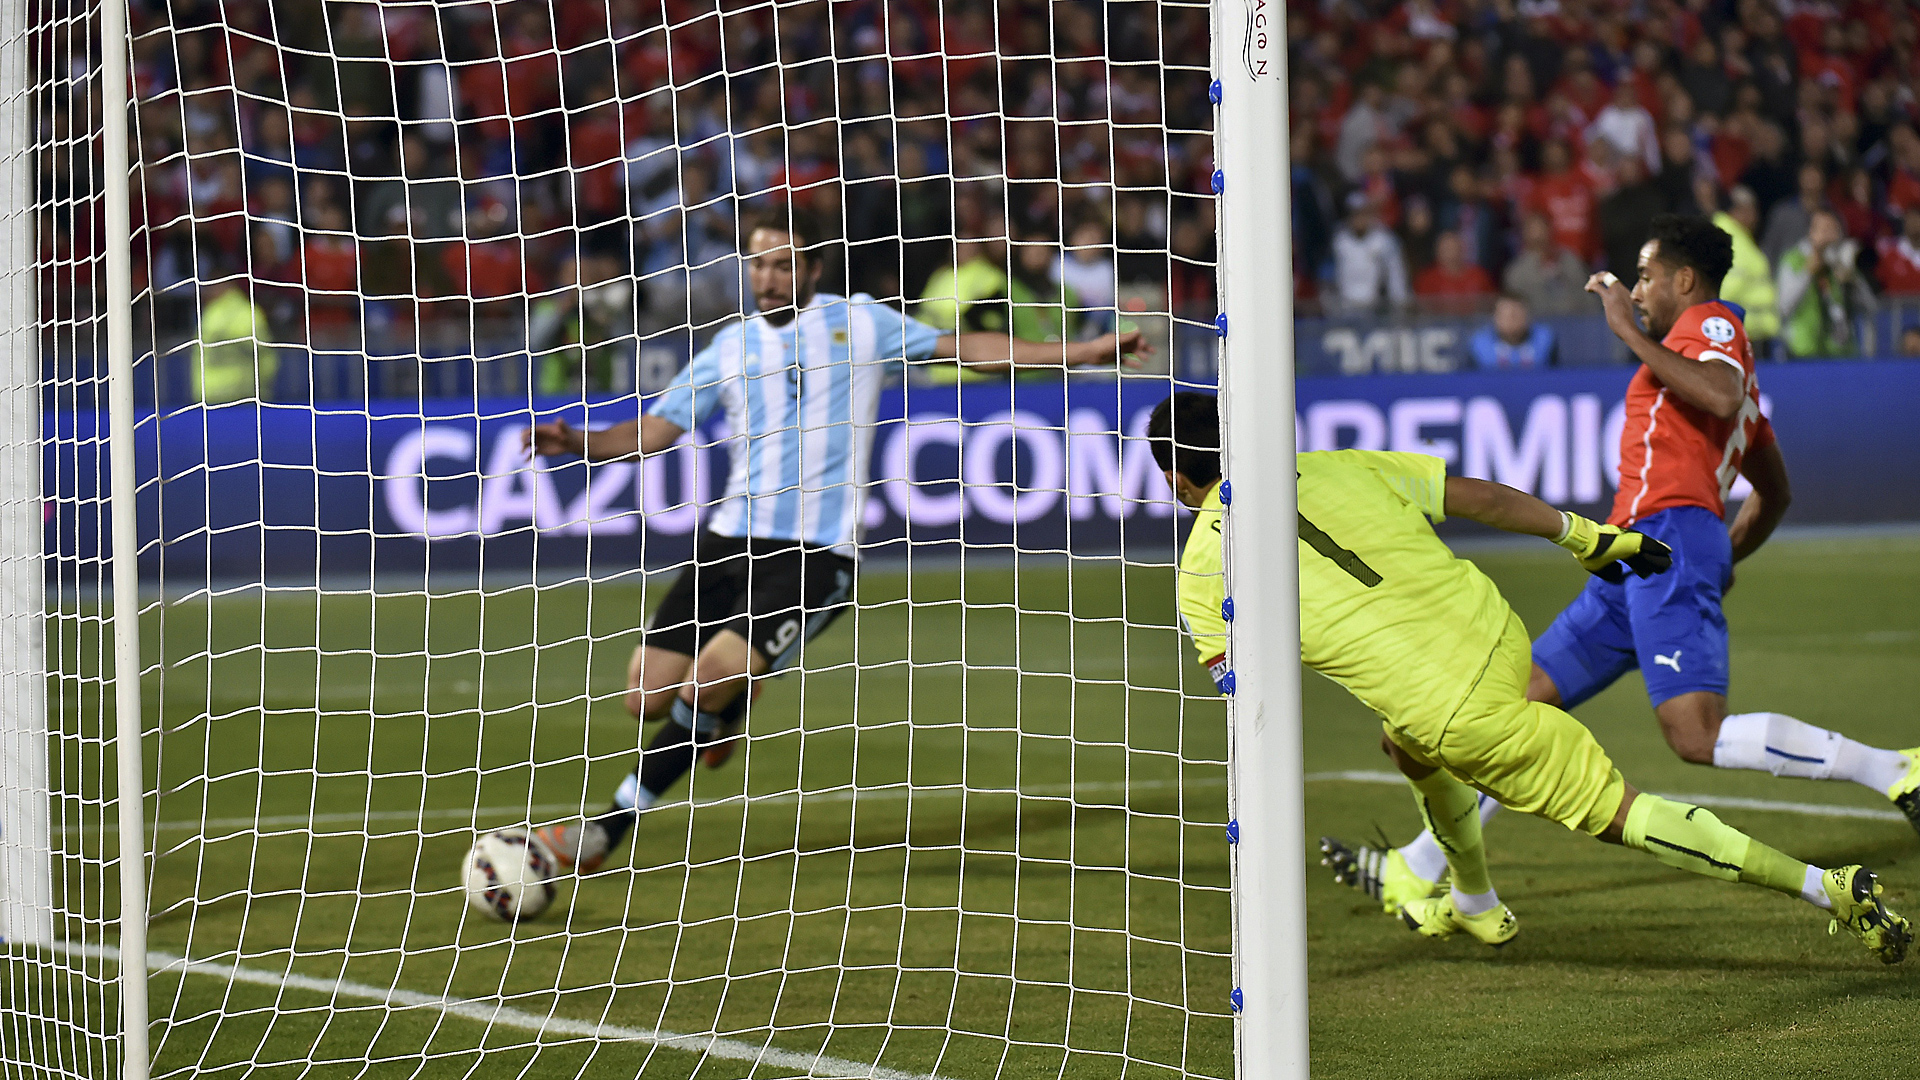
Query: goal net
[{"x": 974, "y": 823}]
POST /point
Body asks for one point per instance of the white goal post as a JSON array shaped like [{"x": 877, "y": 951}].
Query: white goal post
[
  {"x": 1256, "y": 391},
  {"x": 289, "y": 616}
]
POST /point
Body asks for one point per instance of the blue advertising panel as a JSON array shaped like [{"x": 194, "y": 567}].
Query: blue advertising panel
[{"x": 277, "y": 492}]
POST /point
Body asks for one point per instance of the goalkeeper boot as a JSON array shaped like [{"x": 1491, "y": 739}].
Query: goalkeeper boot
[
  {"x": 1857, "y": 906},
  {"x": 1906, "y": 793},
  {"x": 580, "y": 848},
  {"x": 1436, "y": 917},
  {"x": 1381, "y": 873}
]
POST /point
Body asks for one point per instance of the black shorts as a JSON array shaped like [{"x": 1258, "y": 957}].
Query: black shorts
[{"x": 777, "y": 594}]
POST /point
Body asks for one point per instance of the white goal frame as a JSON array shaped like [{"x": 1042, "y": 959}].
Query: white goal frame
[
  {"x": 1256, "y": 386},
  {"x": 1265, "y": 762}
]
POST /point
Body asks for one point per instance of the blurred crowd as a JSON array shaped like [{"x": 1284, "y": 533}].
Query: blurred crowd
[
  {"x": 1445, "y": 151},
  {"x": 567, "y": 178}
]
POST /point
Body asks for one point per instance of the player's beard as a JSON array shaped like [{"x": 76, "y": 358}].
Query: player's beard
[{"x": 784, "y": 313}]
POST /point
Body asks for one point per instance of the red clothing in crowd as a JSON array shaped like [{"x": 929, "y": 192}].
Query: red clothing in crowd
[
  {"x": 1903, "y": 192},
  {"x": 332, "y": 272},
  {"x": 494, "y": 265},
  {"x": 1899, "y": 268},
  {"x": 1437, "y": 280},
  {"x": 1567, "y": 200}
]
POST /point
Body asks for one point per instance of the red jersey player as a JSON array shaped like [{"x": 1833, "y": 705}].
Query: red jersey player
[{"x": 1693, "y": 425}]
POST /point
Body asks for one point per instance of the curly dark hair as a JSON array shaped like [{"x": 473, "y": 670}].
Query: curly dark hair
[
  {"x": 1688, "y": 240},
  {"x": 1195, "y": 451}
]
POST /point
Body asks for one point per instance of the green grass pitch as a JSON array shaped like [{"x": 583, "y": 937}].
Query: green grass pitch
[{"x": 965, "y": 929}]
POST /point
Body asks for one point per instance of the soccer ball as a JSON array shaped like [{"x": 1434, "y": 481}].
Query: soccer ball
[{"x": 509, "y": 875}]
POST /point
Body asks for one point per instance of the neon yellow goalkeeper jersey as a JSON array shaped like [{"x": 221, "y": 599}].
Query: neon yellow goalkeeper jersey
[
  {"x": 1386, "y": 610},
  {"x": 1203, "y": 587}
]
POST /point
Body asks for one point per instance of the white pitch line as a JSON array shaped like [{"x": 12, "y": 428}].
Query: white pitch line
[
  {"x": 1731, "y": 802},
  {"x": 498, "y": 1014}
]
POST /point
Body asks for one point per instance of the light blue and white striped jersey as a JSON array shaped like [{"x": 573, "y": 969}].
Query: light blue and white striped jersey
[{"x": 801, "y": 401}]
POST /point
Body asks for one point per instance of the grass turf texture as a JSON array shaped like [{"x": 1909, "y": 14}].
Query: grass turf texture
[{"x": 811, "y": 923}]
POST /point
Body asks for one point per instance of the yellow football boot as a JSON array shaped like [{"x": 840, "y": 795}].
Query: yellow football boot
[
  {"x": 1855, "y": 893},
  {"x": 1436, "y": 917}
]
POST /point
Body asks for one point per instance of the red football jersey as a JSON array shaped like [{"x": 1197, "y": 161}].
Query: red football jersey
[{"x": 1673, "y": 454}]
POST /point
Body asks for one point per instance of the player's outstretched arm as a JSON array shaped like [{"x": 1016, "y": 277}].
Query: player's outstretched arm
[
  {"x": 631, "y": 438},
  {"x": 1717, "y": 387},
  {"x": 1502, "y": 507},
  {"x": 1601, "y": 549},
  {"x": 1766, "y": 470},
  {"x": 998, "y": 352}
]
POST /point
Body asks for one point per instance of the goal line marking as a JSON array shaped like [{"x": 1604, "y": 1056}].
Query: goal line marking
[
  {"x": 1730, "y": 802},
  {"x": 497, "y": 1014}
]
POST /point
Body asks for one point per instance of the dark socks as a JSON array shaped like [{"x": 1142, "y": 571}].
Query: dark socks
[{"x": 665, "y": 761}]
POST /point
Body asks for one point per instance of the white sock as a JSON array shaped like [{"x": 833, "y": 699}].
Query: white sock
[
  {"x": 1474, "y": 903},
  {"x": 1813, "y": 892},
  {"x": 1423, "y": 853},
  {"x": 1783, "y": 746},
  {"x": 632, "y": 796}
]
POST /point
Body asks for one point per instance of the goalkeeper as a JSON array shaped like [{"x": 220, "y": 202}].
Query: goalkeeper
[
  {"x": 800, "y": 380},
  {"x": 1427, "y": 641}
]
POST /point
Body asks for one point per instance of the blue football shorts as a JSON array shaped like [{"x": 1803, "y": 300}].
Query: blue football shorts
[{"x": 1669, "y": 625}]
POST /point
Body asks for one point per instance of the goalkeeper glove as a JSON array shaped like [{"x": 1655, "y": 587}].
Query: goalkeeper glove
[{"x": 1602, "y": 549}]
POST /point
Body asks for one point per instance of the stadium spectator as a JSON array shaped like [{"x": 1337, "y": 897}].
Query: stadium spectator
[
  {"x": 1750, "y": 282},
  {"x": 1705, "y": 79},
  {"x": 1769, "y": 172},
  {"x": 1087, "y": 270},
  {"x": 1625, "y": 215},
  {"x": 332, "y": 274},
  {"x": 1851, "y": 196},
  {"x": 1679, "y": 168},
  {"x": 1467, "y": 212},
  {"x": 230, "y": 362},
  {"x": 1368, "y": 269},
  {"x": 1627, "y": 125},
  {"x": 1822, "y": 293},
  {"x": 1566, "y": 198},
  {"x": 1549, "y": 278},
  {"x": 1451, "y": 283},
  {"x": 1903, "y": 182},
  {"x": 583, "y": 328},
  {"x": 1789, "y": 220},
  {"x": 1419, "y": 236},
  {"x": 1042, "y": 306},
  {"x": 1513, "y": 341},
  {"x": 1365, "y": 126},
  {"x": 971, "y": 295},
  {"x": 1899, "y": 265}
]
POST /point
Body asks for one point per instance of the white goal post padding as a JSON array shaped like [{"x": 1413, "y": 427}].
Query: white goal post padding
[{"x": 977, "y": 829}]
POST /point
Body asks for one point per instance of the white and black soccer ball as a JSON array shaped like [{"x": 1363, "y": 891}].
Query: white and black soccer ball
[{"x": 509, "y": 875}]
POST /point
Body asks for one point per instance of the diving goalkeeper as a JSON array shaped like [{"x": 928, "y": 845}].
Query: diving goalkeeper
[{"x": 1427, "y": 641}]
